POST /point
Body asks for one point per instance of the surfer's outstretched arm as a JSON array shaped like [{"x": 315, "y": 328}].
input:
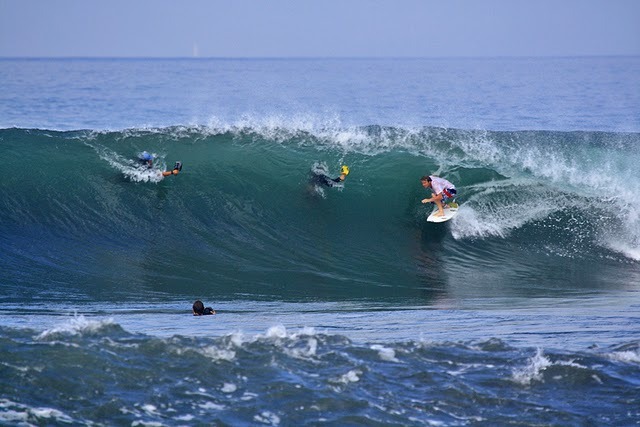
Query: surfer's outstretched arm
[{"x": 176, "y": 170}]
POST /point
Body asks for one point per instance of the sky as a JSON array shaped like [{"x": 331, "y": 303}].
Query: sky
[{"x": 318, "y": 28}]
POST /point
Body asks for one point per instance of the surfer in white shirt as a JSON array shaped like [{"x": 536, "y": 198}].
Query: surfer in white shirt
[{"x": 441, "y": 189}]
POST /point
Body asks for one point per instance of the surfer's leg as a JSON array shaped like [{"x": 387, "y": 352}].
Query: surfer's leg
[{"x": 440, "y": 206}]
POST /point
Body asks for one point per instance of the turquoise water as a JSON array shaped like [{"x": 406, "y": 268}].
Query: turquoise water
[{"x": 337, "y": 306}]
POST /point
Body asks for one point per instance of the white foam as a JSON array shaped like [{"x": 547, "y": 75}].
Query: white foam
[
  {"x": 306, "y": 352},
  {"x": 22, "y": 368},
  {"x": 13, "y": 412},
  {"x": 267, "y": 417},
  {"x": 628, "y": 249},
  {"x": 186, "y": 418},
  {"x": 385, "y": 353},
  {"x": 307, "y": 334},
  {"x": 353, "y": 376},
  {"x": 135, "y": 172},
  {"x": 218, "y": 354},
  {"x": 76, "y": 326},
  {"x": 248, "y": 396},
  {"x": 277, "y": 331},
  {"x": 146, "y": 423},
  {"x": 498, "y": 208},
  {"x": 537, "y": 365},
  {"x": 212, "y": 406},
  {"x": 533, "y": 371},
  {"x": 236, "y": 339},
  {"x": 434, "y": 423},
  {"x": 626, "y": 356},
  {"x": 325, "y": 131},
  {"x": 228, "y": 388},
  {"x": 129, "y": 167},
  {"x": 150, "y": 409}
]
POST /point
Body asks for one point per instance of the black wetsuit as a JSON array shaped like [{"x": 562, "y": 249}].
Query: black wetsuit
[
  {"x": 208, "y": 310},
  {"x": 325, "y": 180}
]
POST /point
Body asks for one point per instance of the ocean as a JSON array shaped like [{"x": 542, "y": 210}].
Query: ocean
[{"x": 337, "y": 306}]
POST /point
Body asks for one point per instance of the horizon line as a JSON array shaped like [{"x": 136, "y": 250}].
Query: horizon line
[{"x": 74, "y": 57}]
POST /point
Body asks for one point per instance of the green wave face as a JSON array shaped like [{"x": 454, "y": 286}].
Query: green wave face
[{"x": 245, "y": 215}]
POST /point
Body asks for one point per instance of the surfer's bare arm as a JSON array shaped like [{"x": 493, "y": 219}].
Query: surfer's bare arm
[
  {"x": 176, "y": 169},
  {"x": 433, "y": 198},
  {"x": 172, "y": 172}
]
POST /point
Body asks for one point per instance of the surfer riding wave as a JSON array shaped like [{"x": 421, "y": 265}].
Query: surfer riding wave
[{"x": 443, "y": 192}]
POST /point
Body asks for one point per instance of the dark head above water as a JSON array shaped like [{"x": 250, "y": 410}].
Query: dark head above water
[{"x": 200, "y": 310}]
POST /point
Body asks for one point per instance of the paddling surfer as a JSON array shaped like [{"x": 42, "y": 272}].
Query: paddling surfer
[
  {"x": 146, "y": 159},
  {"x": 330, "y": 182}
]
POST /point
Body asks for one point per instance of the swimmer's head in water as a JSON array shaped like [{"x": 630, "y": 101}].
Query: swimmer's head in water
[
  {"x": 146, "y": 156},
  {"x": 198, "y": 307},
  {"x": 344, "y": 170}
]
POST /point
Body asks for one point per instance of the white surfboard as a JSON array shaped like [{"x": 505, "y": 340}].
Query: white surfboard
[{"x": 450, "y": 211}]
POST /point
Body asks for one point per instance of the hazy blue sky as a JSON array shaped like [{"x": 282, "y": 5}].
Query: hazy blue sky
[{"x": 326, "y": 28}]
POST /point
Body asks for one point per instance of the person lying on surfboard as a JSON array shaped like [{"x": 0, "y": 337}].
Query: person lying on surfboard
[
  {"x": 442, "y": 191},
  {"x": 146, "y": 159}
]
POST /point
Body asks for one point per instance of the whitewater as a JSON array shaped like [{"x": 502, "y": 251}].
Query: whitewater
[{"x": 335, "y": 306}]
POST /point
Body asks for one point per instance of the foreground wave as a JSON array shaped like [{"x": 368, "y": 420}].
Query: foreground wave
[
  {"x": 74, "y": 373},
  {"x": 539, "y": 210}
]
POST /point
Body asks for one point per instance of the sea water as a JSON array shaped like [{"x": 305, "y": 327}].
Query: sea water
[{"x": 335, "y": 306}]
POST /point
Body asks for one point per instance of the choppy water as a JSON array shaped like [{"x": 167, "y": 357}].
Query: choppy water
[{"x": 337, "y": 306}]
